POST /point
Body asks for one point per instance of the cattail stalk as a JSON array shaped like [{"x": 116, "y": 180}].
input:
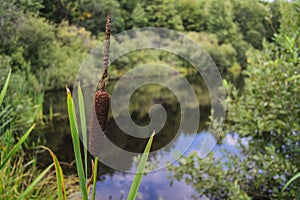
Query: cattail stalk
[
  {"x": 101, "y": 102},
  {"x": 106, "y": 51}
]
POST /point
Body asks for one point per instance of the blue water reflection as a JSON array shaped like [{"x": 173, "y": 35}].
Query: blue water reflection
[{"x": 156, "y": 185}]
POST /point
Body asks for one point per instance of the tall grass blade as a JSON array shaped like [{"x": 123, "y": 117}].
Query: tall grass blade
[
  {"x": 83, "y": 126},
  {"x": 289, "y": 182},
  {"x": 95, "y": 178},
  {"x": 3, "y": 91},
  {"x": 140, "y": 170},
  {"x": 5, "y": 123},
  {"x": 35, "y": 182},
  {"x": 59, "y": 176},
  {"x": 76, "y": 144},
  {"x": 51, "y": 110},
  {"x": 16, "y": 147}
]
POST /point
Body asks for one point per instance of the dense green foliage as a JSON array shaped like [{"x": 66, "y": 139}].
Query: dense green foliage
[
  {"x": 50, "y": 39},
  {"x": 267, "y": 112}
]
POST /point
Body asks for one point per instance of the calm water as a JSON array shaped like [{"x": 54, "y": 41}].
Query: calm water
[
  {"x": 114, "y": 184},
  {"x": 156, "y": 185}
]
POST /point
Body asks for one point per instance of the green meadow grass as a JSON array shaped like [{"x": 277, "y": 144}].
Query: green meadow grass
[{"x": 13, "y": 171}]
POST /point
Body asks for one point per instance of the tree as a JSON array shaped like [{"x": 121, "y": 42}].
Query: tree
[
  {"x": 256, "y": 29},
  {"x": 96, "y": 14},
  {"x": 37, "y": 38},
  {"x": 138, "y": 16},
  {"x": 219, "y": 20},
  {"x": 192, "y": 15},
  {"x": 59, "y": 10},
  {"x": 162, "y": 13},
  {"x": 128, "y": 7}
]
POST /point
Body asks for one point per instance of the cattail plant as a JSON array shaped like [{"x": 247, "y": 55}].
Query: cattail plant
[
  {"x": 101, "y": 102},
  {"x": 99, "y": 116}
]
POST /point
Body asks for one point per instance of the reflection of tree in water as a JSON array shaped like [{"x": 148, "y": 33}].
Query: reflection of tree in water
[
  {"x": 140, "y": 116},
  {"x": 166, "y": 135}
]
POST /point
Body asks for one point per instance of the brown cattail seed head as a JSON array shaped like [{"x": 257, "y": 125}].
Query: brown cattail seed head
[
  {"x": 101, "y": 102},
  {"x": 99, "y": 116}
]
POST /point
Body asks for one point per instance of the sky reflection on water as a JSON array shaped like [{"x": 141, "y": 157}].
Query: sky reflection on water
[{"x": 156, "y": 185}]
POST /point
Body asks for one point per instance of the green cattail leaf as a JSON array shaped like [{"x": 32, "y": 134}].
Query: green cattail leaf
[
  {"x": 95, "y": 178},
  {"x": 140, "y": 170},
  {"x": 3, "y": 91},
  {"x": 83, "y": 126},
  {"x": 35, "y": 182},
  {"x": 76, "y": 144},
  {"x": 16, "y": 147},
  {"x": 59, "y": 176}
]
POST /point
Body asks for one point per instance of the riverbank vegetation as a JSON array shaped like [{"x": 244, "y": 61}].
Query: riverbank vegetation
[
  {"x": 44, "y": 42},
  {"x": 267, "y": 113}
]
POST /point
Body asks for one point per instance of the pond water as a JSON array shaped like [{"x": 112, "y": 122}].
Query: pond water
[
  {"x": 156, "y": 185},
  {"x": 115, "y": 184}
]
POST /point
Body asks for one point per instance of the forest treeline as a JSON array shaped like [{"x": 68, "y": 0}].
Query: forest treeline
[{"x": 49, "y": 39}]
